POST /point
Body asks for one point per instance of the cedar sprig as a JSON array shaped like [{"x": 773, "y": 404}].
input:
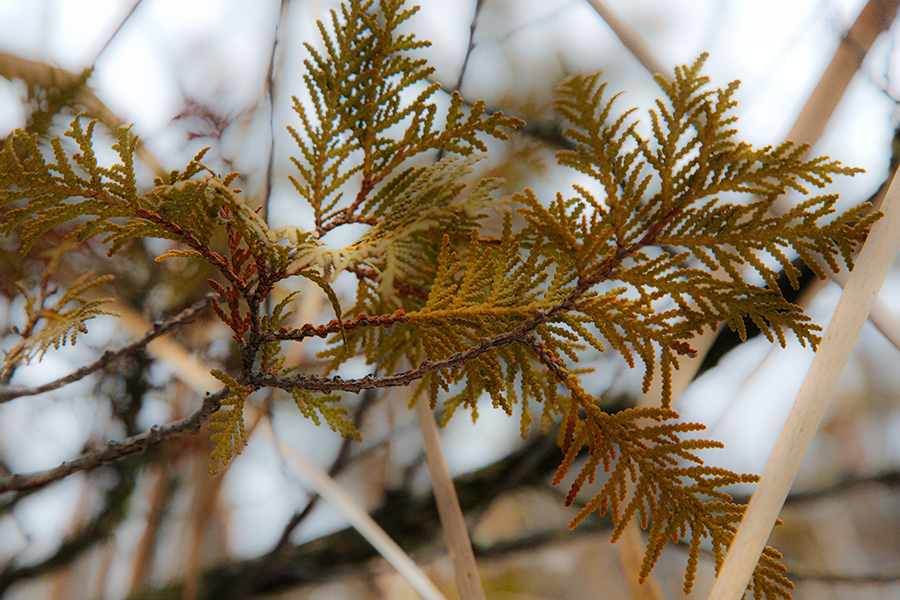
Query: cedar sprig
[
  {"x": 53, "y": 319},
  {"x": 623, "y": 263},
  {"x": 358, "y": 121},
  {"x": 327, "y": 408},
  {"x": 655, "y": 476},
  {"x": 226, "y": 426}
]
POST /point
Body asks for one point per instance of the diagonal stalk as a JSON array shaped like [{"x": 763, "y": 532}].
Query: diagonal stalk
[
  {"x": 332, "y": 493},
  {"x": 859, "y": 296}
]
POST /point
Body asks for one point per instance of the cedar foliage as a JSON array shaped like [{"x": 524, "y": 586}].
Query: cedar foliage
[{"x": 640, "y": 262}]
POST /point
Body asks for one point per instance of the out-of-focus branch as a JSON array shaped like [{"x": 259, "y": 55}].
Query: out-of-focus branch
[
  {"x": 631, "y": 38},
  {"x": 117, "y": 30},
  {"x": 47, "y": 76},
  {"x": 161, "y": 495},
  {"x": 468, "y": 580},
  {"x": 270, "y": 93},
  {"x": 9, "y": 392},
  {"x": 874, "y": 19},
  {"x": 410, "y": 521},
  {"x": 887, "y": 479},
  {"x": 101, "y": 527},
  {"x": 116, "y": 498},
  {"x": 114, "y": 450},
  {"x": 361, "y": 521}
]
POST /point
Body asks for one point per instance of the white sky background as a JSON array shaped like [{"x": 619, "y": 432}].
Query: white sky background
[{"x": 217, "y": 51}]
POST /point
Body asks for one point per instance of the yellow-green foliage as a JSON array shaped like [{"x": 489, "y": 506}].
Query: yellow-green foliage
[
  {"x": 639, "y": 261},
  {"x": 52, "y": 321},
  {"x": 227, "y": 427},
  {"x": 356, "y": 86}
]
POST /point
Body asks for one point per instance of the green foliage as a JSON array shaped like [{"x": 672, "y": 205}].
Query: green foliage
[
  {"x": 640, "y": 260},
  {"x": 655, "y": 476},
  {"x": 227, "y": 431},
  {"x": 54, "y": 321},
  {"x": 359, "y": 123},
  {"x": 314, "y": 406}
]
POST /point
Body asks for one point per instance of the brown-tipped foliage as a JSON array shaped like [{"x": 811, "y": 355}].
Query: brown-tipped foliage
[{"x": 639, "y": 261}]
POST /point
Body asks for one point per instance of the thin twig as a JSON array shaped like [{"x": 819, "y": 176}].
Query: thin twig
[
  {"x": 113, "y": 450},
  {"x": 161, "y": 494},
  {"x": 473, "y": 25},
  {"x": 343, "y": 459},
  {"x": 10, "y": 392},
  {"x": 115, "y": 32},
  {"x": 369, "y": 382},
  {"x": 270, "y": 95}
]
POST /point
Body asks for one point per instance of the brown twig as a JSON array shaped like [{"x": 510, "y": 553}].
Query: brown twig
[
  {"x": 304, "y": 382},
  {"x": 631, "y": 38},
  {"x": 113, "y": 450},
  {"x": 309, "y": 330},
  {"x": 601, "y": 271},
  {"x": 10, "y": 392},
  {"x": 160, "y": 496}
]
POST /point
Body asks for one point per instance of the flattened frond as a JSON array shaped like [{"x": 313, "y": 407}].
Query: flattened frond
[
  {"x": 358, "y": 119},
  {"x": 55, "y": 322},
  {"x": 227, "y": 424}
]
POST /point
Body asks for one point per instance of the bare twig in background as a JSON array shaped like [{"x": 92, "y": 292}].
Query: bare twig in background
[
  {"x": 205, "y": 495},
  {"x": 9, "y": 392},
  {"x": 92, "y": 532},
  {"x": 470, "y": 46},
  {"x": 874, "y": 19},
  {"x": 271, "y": 562},
  {"x": 113, "y": 450},
  {"x": 631, "y": 38},
  {"x": 361, "y": 521},
  {"x": 270, "y": 92},
  {"x": 116, "y": 31},
  {"x": 341, "y": 461},
  {"x": 160, "y": 495},
  {"x": 411, "y": 521}
]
